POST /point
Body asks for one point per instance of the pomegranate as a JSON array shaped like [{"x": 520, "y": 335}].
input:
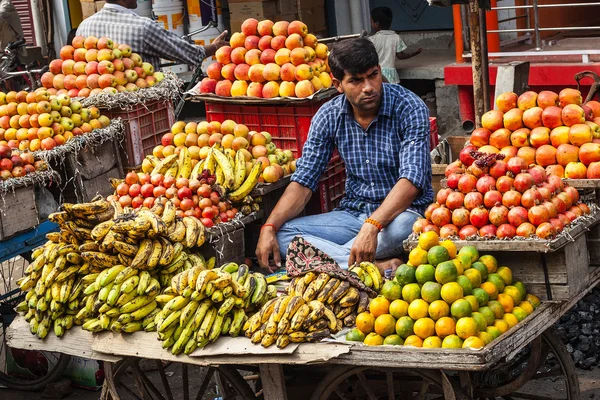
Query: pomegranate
[
  {"x": 504, "y": 184},
  {"x": 465, "y": 155},
  {"x": 538, "y": 215},
  {"x": 460, "y": 217},
  {"x": 545, "y": 193},
  {"x": 573, "y": 193},
  {"x": 473, "y": 200},
  {"x": 564, "y": 219},
  {"x": 468, "y": 231},
  {"x": 455, "y": 167},
  {"x": 448, "y": 230},
  {"x": 452, "y": 181},
  {"x": 487, "y": 231},
  {"x": 431, "y": 227},
  {"x": 531, "y": 197},
  {"x": 419, "y": 225},
  {"x": 467, "y": 183},
  {"x": 517, "y": 216},
  {"x": 492, "y": 198},
  {"x": 122, "y": 189},
  {"x": 560, "y": 205},
  {"x": 569, "y": 214},
  {"x": 576, "y": 210},
  {"x": 479, "y": 217},
  {"x": 545, "y": 230},
  {"x": 523, "y": 181},
  {"x": 485, "y": 184},
  {"x": 583, "y": 207},
  {"x": 440, "y": 197},
  {"x": 557, "y": 224},
  {"x": 455, "y": 200},
  {"x": 552, "y": 210},
  {"x": 566, "y": 198},
  {"x": 506, "y": 231},
  {"x": 538, "y": 173},
  {"x": 512, "y": 198},
  {"x": 498, "y": 215},
  {"x": 516, "y": 165},
  {"x": 498, "y": 169},
  {"x": 137, "y": 202},
  {"x": 477, "y": 171},
  {"x": 441, "y": 216},
  {"x": 526, "y": 229},
  {"x": 430, "y": 208},
  {"x": 556, "y": 181}
]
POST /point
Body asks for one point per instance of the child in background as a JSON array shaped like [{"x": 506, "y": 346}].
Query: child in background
[{"x": 389, "y": 44}]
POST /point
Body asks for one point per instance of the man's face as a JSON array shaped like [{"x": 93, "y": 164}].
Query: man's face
[{"x": 363, "y": 91}]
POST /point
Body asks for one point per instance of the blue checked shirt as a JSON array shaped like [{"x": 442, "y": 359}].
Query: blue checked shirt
[
  {"x": 145, "y": 37},
  {"x": 394, "y": 146}
]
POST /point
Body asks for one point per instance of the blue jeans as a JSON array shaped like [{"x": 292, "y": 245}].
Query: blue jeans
[{"x": 334, "y": 233}]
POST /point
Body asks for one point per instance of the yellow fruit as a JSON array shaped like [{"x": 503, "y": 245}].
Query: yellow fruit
[
  {"x": 496, "y": 280},
  {"x": 465, "y": 260},
  {"x": 501, "y": 325},
  {"x": 525, "y": 305},
  {"x": 432, "y": 342},
  {"x": 418, "y": 309},
  {"x": 510, "y": 319},
  {"x": 365, "y": 322},
  {"x": 424, "y": 327},
  {"x": 404, "y": 327},
  {"x": 491, "y": 289},
  {"x": 485, "y": 337},
  {"x": 513, "y": 292},
  {"x": 373, "y": 339},
  {"x": 494, "y": 332},
  {"x": 474, "y": 276},
  {"x": 393, "y": 340},
  {"x": 411, "y": 292},
  {"x": 471, "y": 251},
  {"x": 379, "y": 305},
  {"x": 424, "y": 273},
  {"x": 355, "y": 335},
  {"x": 452, "y": 342},
  {"x": 438, "y": 309},
  {"x": 445, "y": 326},
  {"x": 451, "y": 292},
  {"x": 428, "y": 239},
  {"x": 465, "y": 283},
  {"x": 474, "y": 303},
  {"x": 521, "y": 287},
  {"x": 430, "y": 291},
  {"x": 507, "y": 302},
  {"x": 466, "y": 327},
  {"x": 414, "y": 341},
  {"x": 450, "y": 246},
  {"x": 489, "y": 315},
  {"x": 446, "y": 272},
  {"x": 385, "y": 325},
  {"x": 460, "y": 268},
  {"x": 461, "y": 308},
  {"x": 535, "y": 302},
  {"x": 520, "y": 313},
  {"x": 417, "y": 256},
  {"x": 479, "y": 266},
  {"x": 490, "y": 262},
  {"x": 481, "y": 320},
  {"x": 482, "y": 296},
  {"x": 506, "y": 275},
  {"x": 398, "y": 308},
  {"x": 391, "y": 290},
  {"x": 437, "y": 255},
  {"x": 496, "y": 308},
  {"x": 473, "y": 342}
]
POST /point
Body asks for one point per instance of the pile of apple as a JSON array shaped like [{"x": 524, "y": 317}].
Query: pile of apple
[
  {"x": 269, "y": 60},
  {"x": 555, "y": 131},
  {"x": 194, "y": 197},
  {"x": 489, "y": 197},
  {"x": 90, "y": 65},
  {"x": 232, "y": 137},
  {"x": 14, "y": 164},
  {"x": 40, "y": 121}
]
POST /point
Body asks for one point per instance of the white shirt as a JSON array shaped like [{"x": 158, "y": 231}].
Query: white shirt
[{"x": 388, "y": 43}]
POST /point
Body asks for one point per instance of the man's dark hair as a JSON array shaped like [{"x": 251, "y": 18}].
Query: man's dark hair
[
  {"x": 383, "y": 16},
  {"x": 71, "y": 35},
  {"x": 354, "y": 56}
]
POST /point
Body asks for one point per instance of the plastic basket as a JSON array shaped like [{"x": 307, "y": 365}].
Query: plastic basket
[
  {"x": 433, "y": 131},
  {"x": 144, "y": 126},
  {"x": 331, "y": 188}
]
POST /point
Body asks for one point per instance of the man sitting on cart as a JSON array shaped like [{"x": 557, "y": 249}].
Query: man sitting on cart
[
  {"x": 148, "y": 38},
  {"x": 381, "y": 131}
]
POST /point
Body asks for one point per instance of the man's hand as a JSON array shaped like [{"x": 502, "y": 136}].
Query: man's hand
[
  {"x": 365, "y": 245},
  {"x": 267, "y": 246},
  {"x": 220, "y": 40}
]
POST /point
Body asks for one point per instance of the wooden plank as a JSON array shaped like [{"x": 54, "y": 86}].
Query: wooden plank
[
  {"x": 322, "y": 94},
  {"x": 583, "y": 183},
  {"x": 273, "y": 382},
  {"x": 263, "y": 188},
  {"x": 94, "y": 161},
  {"x": 18, "y": 211}
]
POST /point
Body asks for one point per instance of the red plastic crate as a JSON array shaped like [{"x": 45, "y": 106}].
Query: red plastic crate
[
  {"x": 433, "y": 130},
  {"x": 144, "y": 126},
  {"x": 288, "y": 125},
  {"x": 331, "y": 188}
]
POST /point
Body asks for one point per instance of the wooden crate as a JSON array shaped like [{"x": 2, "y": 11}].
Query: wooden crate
[
  {"x": 228, "y": 247},
  {"x": 18, "y": 211},
  {"x": 593, "y": 245}
]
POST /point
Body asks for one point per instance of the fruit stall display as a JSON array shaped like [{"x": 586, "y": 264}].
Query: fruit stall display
[
  {"x": 91, "y": 65},
  {"x": 269, "y": 60},
  {"x": 443, "y": 298},
  {"x": 555, "y": 131},
  {"x": 487, "y": 196},
  {"x": 16, "y": 164}
]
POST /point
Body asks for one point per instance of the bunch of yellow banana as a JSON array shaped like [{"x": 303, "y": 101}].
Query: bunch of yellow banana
[
  {"x": 315, "y": 307},
  {"x": 369, "y": 274}
]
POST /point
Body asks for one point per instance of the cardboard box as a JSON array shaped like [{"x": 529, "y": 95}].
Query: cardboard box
[
  {"x": 308, "y": 4},
  {"x": 286, "y": 7},
  {"x": 239, "y": 12},
  {"x": 314, "y": 18},
  {"x": 88, "y": 9},
  {"x": 19, "y": 212}
]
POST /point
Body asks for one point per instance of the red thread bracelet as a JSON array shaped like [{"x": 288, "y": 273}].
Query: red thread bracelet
[{"x": 271, "y": 225}]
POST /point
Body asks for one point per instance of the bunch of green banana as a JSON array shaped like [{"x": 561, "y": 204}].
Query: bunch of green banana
[{"x": 369, "y": 274}]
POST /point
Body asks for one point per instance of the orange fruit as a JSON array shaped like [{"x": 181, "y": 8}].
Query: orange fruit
[
  {"x": 513, "y": 292},
  {"x": 474, "y": 303},
  {"x": 466, "y": 327},
  {"x": 464, "y": 260},
  {"x": 452, "y": 342},
  {"x": 438, "y": 309},
  {"x": 471, "y": 251},
  {"x": 445, "y": 326},
  {"x": 437, "y": 255},
  {"x": 432, "y": 342},
  {"x": 510, "y": 319},
  {"x": 465, "y": 283},
  {"x": 520, "y": 313},
  {"x": 496, "y": 280},
  {"x": 398, "y": 308},
  {"x": 379, "y": 305},
  {"x": 413, "y": 340},
  {"x": 482, "y": 296},
  {"x": 507, "y": 302},
  {"x": 493, "y": 331},
  {"x": 446, "y": 272},
  {"x": 474, "y": 277},
  {"x": 404, "y": 327},
  {"x": 418, "y": 309},
  {"x": 460, "y": 267},
  {"x": 424, "y": 273},
  {"x": 490, "y": 262},
  {"x": 385, "y": 325},
  {"x": 485, "y": 337},
  {"x": 391, "y": 290},
  {"x": 488, "y": 314},
  {"x": 506, "y": 275},
  {"x": 424, "y": 327},
  {"x": 411, "y": 292},
  {"x": 501, "y": 325},
  {"x": 393, "y": 340},
  {"x": 525, "y": 305},
  {"x": 473, "y": 342},
  {"x": 461, "y": 308},
  {"x": 451, "y": 292},
  {"x": 373, "y": 339},
  {"x": 405, "y": 274},
  {"x": 535, "y": 302},
  {"x": 521, "y": 287},
  {"x": 355, "y": 335},
  {"x": 491, "y": 289},
  {"x": 428, "y": 239},
  {"x": 481, "y": 321},
  {"x": 479, "y": 266},
  {"x": 430, "y": 291},
  {"x": 417, "y": 256},
  {"x": 450, "y": 246},
  {"x": 496, "y": 308},
  {"x": 365, "y": 322}
]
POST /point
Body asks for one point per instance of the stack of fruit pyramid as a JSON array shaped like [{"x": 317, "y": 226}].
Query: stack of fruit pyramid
[
  {"x": 444, "y": 298},
  {"x": 269, "y": 60},
  {"x": 553, "y": 130}
]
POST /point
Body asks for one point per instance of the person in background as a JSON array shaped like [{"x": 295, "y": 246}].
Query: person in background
[
  {"x": 71, "y": 35},
  {"x": 117, "y": 21},
  {"x": 10, "y": 25},
  {"x": 389, "y": 44}
]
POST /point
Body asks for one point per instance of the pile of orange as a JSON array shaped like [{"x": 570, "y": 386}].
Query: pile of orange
[{"x": 444, "y": 298}]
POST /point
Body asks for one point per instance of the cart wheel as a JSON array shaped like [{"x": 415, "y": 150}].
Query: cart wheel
[
  {"x": 543, "y": 370},
  {"x": 155, "y": 379},
  {"x": 373, "y": 384}
]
